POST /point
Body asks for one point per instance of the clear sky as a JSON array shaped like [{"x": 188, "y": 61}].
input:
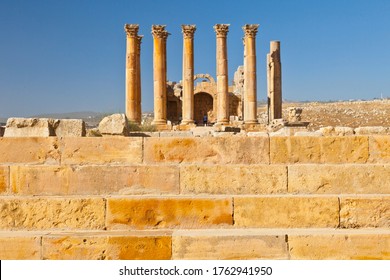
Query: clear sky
[{"x": 69, "y": 56}]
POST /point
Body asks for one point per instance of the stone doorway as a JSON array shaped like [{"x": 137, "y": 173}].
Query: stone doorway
[{"x": 203, "y": 104}]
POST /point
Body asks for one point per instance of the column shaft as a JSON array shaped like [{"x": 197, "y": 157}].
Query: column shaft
[
  {"x": 138, "y": 70},
  {"x": 250, "y": 76},
  {"x": 188, "y": 73},
  {"x": 222, "y": 74},
  {"x": 131, "y": 71},
  {"x": 274, "y": 74},
  {"x": 159, "y": 74}
]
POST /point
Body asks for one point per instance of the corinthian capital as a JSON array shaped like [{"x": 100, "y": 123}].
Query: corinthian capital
[
  {"x": 188, "y": 31},
  {"x": 131, "y": 30},
  {"x": 250, "y": 30},
  {"x": 221, "y": 29},
  {"x": 159, "y": 31}
]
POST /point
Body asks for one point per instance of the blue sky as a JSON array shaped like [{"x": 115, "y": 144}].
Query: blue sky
[{"x": 69, "y": 56}]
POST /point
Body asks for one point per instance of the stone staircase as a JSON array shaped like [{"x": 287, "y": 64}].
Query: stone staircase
[{"x": 290, "y": 197}]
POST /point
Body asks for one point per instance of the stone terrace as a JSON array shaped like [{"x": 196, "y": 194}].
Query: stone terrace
[{"x": 279, "y": 197}]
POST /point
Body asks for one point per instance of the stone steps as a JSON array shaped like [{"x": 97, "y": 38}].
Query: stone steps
[
  {"x": 195, "y": 198},
  {"x": 198, "y": 244}
]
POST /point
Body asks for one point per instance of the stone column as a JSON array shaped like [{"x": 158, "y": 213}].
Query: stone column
[
  {"x": 250, "y": 84},
  {"x": 160, "y": 36},
  {"x": 274, "y": 81},
  {"x": 131, "y": 71},
  {"x": 188, "y": 73},
  {"x": 138, "y": 100},
  {"x": 222, "y": 74}
]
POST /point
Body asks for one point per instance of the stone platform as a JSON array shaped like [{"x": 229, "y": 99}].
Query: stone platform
[{"x": 251, "y": 197}]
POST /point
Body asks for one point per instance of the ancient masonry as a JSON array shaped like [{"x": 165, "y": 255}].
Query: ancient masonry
[
  {"x": 180, "y": 102},
  {"x": 172, "y": 195}
]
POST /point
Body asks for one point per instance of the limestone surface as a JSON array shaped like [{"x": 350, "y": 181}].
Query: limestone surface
[
  {"x": 115, "y": 124},
  {"x": 70, "y": 128},
  {"x": 30, "y": 127}
]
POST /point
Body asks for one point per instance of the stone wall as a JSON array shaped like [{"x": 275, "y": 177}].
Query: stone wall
[{"x": 263, "y": 197}]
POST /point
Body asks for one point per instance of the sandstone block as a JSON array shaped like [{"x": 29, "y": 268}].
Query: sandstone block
[
  {"x": 115, "y": 124},
  {"x": 70, "y": 128},
  {"x": 233, "y": 179},
  {"x": 206, "y": 245},
  {"x": 339, "y": 179},
  {"x": 4, "y": 179},
  {"x": 176, "y": 134},
  {"x": 246, "y": 150},
  {"x": 39, "y": 180},
  {"x": 151, "y": 179},
  {"x": 171, "y": 212},
  {"x": 18, "y": 247},
  {"x": 107, "y": 246},
  {"x": 340, "y": 247},
  {"x": 286, "y": 211},
  {"x": 380, "y": 148},
  {"x": 139, "y": 248},
  {"x": 91, "y": 150},
  {"x": 51, "y": 213},
  {"x": 29, "y": 150},
  {"x": 31, "y": 127},
  {"x": 301, "y": 149},
  {"x": 370, "y": 130},
  {"x": 356, "y": 212},
  {"x": 94, "y": 180}
]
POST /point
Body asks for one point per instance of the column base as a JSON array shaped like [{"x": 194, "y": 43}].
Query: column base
[
  {"x": 222, "y": 122},
  {"x": 186, "y": 122},
  {"x": 159, "y": 122},
  {"x": 251, "y": 122}
]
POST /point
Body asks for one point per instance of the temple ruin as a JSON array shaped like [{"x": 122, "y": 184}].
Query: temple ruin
[{"x": 188, "y": 102}]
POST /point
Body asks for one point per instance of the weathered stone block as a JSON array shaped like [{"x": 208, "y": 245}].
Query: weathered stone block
[
  {"x": 51, "y": 213},
  {"x": 286, "y": 211},
  {"x": 344, "y": 149},
  {"x": 151, "y": 179},
  {"x": 31, "y": 150},
  {"x": 171, "y": 212},
  {"x": 340, "y": 246},
  {"x": 91, "y": 180},
  {"x": 227, "y": 246},
  {"x": 301, "y": 149},
  {"x": 19, "y": 247},
  {"x": 31, "y": 127},
  {"x": 115, "y": 124},
  {"x": 380, "y": 148},
  {"x": 339, "y": 179},
  {"x": 248, "y": 150},
  {"x": 91, "y": 150},
  {"x": 139, "y": 248},
  {"x": 370, "y": 130},
  {"x": 70, "y": 128},
  {"x": 40, "y": 179},
  {"x": 233, "y": 179},
  {"x": 107, "y": 246},
  {"x": 4, "y": 178},
  {"x": 358, "y": 212}
]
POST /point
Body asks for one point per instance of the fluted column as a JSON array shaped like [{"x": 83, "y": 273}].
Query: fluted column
[
  {"x": 274, "y": 75},
  {"x": 138, "y": 99},
  {"x": 221, "y": 31},
  {"x": 160, "y": 36},
  {"x": 250, "y": 85},
  {"x": 188, "y": 73},
  {"x": 131, "y": 71}
]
